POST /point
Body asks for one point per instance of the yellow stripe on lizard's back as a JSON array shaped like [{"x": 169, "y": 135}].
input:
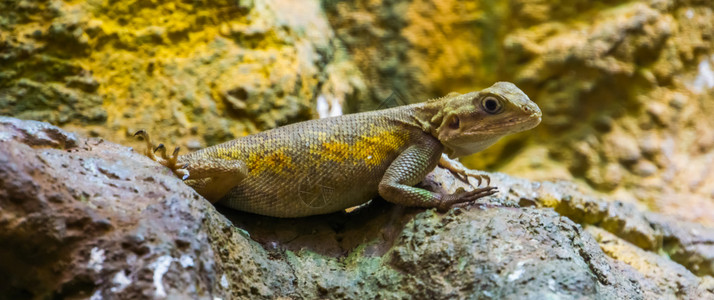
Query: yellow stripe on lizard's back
[
  {"x": 276, "y": 161},
  {"x": 373, "y": 149},
  {"x": 336, "y": 151},
  {"x": 226, "y": 153}
]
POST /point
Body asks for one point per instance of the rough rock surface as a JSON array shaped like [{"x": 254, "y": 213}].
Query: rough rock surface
[
  {"x": 88, "y": 218},
  {"x": 192, "y": 72},
  {"x": 84, "y": 217},
  {"x": 630, "y": 115}
]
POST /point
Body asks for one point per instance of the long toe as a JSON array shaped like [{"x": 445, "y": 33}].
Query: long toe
[
  {"x": 480, "y": 193},
  {"x": 149, "y": 145},
  {"x": 162, "y": 151},
  {"x": 174, "y": 156}
]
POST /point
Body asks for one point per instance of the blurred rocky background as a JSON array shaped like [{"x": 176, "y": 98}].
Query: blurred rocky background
[{"x": 626, "y": 89}]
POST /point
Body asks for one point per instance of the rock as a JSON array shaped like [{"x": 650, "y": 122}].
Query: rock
[
  {"x": 514, "y": 253},
  {"x": 603, "y": 123},
  {"x": 225, "y": 68},
  {"x": 644, "y": 168},
  {"x": 689, "y": 244},
  {"x": 626, "y": 70},
  {"x": 621, "y": 147},
  {"x": 89, "y": 218},
  {"x": 658, "y": 278}
]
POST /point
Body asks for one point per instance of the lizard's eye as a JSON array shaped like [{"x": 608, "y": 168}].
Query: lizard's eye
[{"x": 491, "y": 105}]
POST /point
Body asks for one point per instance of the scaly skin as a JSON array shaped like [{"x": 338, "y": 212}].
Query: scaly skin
[{"x": 327, "y": 165}]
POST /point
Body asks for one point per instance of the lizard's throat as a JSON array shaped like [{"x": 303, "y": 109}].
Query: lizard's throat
[{"x": 463, "y": 147}]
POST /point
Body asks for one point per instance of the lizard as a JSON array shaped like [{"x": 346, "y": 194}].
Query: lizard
[{"x": 326, "y": 165}]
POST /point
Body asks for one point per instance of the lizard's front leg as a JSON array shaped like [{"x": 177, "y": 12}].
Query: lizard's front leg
[
  {"x": 409, "y": 168},
  {"x": 461, "y": 172}
]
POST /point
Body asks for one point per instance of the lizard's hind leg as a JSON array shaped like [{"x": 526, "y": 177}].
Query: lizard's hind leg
[{"x": 169, "y": 161}]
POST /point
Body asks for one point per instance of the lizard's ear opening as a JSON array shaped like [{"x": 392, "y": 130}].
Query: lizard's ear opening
[
  {"x": 454, "y": 123},
  {"x": 449, "y": 127}
]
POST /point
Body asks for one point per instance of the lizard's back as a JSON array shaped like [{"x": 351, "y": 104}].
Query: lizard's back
[{"x": 318, "y": 166}]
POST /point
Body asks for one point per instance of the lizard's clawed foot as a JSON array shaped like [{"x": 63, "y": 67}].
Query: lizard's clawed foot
[
  {"x": 461, "y": 172},
  {"x": 465, "y": 196},
  {"x": 480, "y": 177},
  {"x": 170, "y": 161},
  {"x": 466, "y": 174}
]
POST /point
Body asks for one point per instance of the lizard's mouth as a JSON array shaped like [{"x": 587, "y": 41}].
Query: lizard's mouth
[
  {"x": 480, "y": 138},
  {"x": 512, "y": 125}
]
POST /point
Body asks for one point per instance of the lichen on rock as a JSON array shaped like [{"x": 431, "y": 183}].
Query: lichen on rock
[{"x": 210, "y": 71}]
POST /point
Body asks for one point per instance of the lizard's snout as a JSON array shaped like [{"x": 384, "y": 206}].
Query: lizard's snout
[
  {"x": 533, "y": 109},
  {"x": 533, "y": 112}
]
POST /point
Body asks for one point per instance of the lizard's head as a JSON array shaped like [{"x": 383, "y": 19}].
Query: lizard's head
[{"x": 471, "y": 122}]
